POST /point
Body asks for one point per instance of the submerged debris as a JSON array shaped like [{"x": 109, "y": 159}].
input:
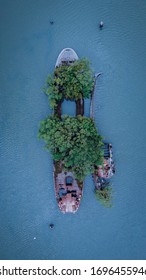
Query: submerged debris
[{"x": 51, "y": 226}]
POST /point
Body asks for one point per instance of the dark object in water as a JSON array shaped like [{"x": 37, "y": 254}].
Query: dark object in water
[
  {"x": 101, "y": 25},
  {"x": 51, "y": 22},
  {"x": 51, "y": 226}
]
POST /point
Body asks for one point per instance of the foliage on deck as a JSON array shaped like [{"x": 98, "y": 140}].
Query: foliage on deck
[
  {"x": 70, "y": 82},
  {"x": 75, "y": 141}
]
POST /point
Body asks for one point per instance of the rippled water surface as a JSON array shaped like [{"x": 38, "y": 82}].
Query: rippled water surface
[{"x": 28, "y": 51}]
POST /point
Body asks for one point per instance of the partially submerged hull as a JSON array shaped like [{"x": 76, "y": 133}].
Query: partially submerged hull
[
  {"x": 67, "y": 55},
  {"x": 102, "y": 173},
  {"x": 106, "y": 171},
  {"x": 67, "y": 189}
]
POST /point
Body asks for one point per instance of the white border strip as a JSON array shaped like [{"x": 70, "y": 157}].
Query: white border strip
[{"x": 82, "y": 269}]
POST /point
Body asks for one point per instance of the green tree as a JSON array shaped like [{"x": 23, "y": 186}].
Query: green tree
[
  {"x": 104, "y": 195},
  {"x": 70, "y": 82},
  {"x": 75, "y": 141}
]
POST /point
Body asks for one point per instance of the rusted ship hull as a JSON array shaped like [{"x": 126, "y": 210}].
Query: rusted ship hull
[{"x": 68, "y": 190}]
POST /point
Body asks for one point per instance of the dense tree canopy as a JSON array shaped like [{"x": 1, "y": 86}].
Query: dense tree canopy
[
  {"x": 75, "y": 141},
  {"x": 70, "y": 82}
]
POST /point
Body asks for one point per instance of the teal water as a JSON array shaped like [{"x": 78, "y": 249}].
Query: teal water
[{"x": 28, "y": 50}]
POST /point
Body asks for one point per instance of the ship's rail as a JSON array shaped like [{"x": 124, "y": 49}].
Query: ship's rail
[{"x": 67, "y": 55}]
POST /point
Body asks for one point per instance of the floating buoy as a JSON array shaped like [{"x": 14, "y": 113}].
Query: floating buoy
[
  {"x": 51, "y": 226},
  {"x": 101, "y": 24}
]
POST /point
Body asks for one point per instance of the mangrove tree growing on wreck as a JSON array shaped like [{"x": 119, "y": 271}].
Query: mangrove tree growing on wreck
[
  {"x": 75, "y": 141},
  {"x": 104, "y": 196},
  {"x": 71, "y": 82}
]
